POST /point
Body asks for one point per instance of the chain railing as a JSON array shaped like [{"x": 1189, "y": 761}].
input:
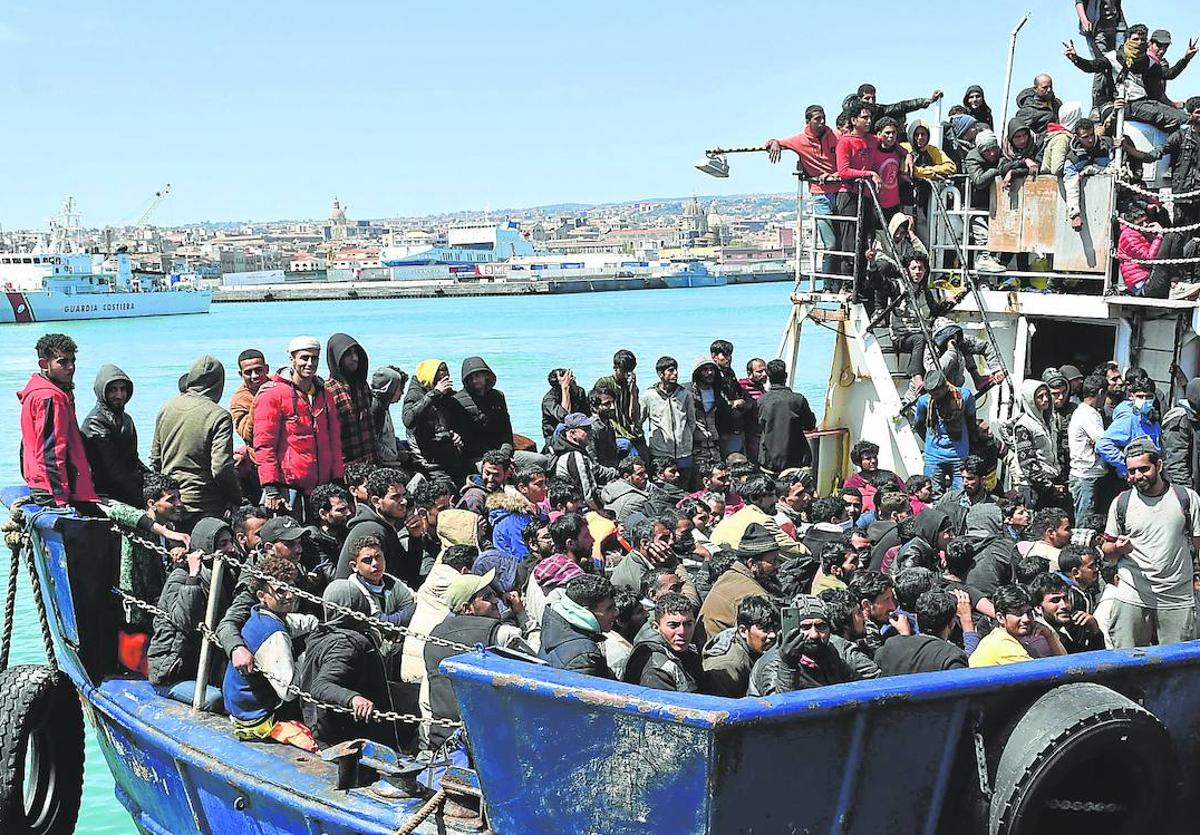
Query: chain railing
[
  {"x": 132, "y": 602},
  {"x": 300, "y": 593}
]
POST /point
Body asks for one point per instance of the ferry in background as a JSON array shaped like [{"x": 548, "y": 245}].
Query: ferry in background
[{"x": 68, "y": 286}]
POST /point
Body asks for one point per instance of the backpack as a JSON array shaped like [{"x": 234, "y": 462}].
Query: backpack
[{"x": 1181, "y": 495}]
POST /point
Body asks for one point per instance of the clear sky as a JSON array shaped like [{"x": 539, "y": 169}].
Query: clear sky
[{"x": 266, "y": 109}]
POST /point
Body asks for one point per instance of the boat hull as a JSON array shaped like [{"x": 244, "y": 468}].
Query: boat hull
[
  {"x": 43, "y": 306},
  {"x": 676, "y": 282}
]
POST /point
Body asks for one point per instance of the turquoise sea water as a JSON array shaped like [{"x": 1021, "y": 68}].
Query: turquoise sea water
[{"x": 522, "y": 338}]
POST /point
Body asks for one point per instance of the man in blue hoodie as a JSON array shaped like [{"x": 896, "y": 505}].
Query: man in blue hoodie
[{"x": 1135, "y": 418}]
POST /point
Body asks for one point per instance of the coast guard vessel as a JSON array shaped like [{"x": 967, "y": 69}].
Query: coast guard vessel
[{"x": 54, "y": 282}]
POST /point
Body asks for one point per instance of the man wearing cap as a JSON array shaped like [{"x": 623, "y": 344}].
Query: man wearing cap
[
  {"x": 1060, "y": 400},
  {"x": 982, "y": 165},
  {"x": 572, "y": 458},
  {"x": 758, "y": 558},
  {"x": 944, "y": 418},
  {"x": 279, "y": 535},
  {"x": 474, "y": 619},
  {"x": 1161, "y": 71},
  {"x": 193, "y": 444},
  {"x": 1152, "y": 532},
  {"x": 1074, "y": 378},
  {"x": 804, "y": 658},
  {"x": 297, "y": 436}
]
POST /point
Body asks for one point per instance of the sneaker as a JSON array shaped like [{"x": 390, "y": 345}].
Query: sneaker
[{"x": 985, "y": 263}]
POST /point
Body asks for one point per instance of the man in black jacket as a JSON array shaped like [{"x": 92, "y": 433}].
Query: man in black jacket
[
  {"x": 386, "y": 516},
  {"x": 1179, "y": 428},
  {"x": 937, "y": 613},
  {"x": 574, "y": 625},
  {"x": 564, "y": 397},
  {"x": 783, "y": 418},
  {"x": 1078, "y": 630},
  {"x": 110, "y": 439},
  {"x": 804, "y": 658},
  {"x": 486, "y": 423},
  {"x": 343, "y": 666},
  {"x": 1183, "y": 146}
]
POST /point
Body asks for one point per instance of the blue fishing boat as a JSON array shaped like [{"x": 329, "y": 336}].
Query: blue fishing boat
[{"x": 1099, "y": 742}]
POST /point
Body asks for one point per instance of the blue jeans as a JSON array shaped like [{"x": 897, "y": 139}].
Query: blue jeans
[
  {"x": 1084, "y": 492},
  {"x": 182, "y": 691},
  {"x": 940, "y": 470},
  {"x": 822, "y": 204}
]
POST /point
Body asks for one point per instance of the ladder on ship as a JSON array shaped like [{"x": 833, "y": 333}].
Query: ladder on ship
[{"x": 869, "y": 395}]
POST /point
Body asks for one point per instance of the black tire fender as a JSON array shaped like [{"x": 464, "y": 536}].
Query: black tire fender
[
  {"x": 1084, "y": 749},
  {"x": 41, "y": 730}
]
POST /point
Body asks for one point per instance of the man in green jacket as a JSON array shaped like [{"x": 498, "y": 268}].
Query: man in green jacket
[{"x": 193, "y": 443}]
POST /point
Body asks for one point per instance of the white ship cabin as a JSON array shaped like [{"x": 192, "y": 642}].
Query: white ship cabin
[
  {"x": 65, "y": 272},
  {"x": 1061, "y": 300}
]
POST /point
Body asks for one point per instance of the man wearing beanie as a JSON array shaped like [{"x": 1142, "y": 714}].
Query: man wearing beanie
[
  {"x": 758, "y": 558},
  {"x": 983, "y": 166},
  {"x": 297, "y": 436},
  {"x": 804, "y": 658}
]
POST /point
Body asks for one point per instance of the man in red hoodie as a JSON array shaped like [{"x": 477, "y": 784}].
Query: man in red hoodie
[{"x": 53, "y": 461}]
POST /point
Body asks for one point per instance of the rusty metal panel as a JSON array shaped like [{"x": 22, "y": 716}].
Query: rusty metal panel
[
  {"x": 1039, "y": 213},
  {"x": 1004, "y": 227},
  {"x": 1087, "y": 250},
  {"x": 1033, "y": 219}
]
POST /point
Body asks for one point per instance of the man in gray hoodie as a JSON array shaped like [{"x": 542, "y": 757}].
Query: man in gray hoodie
[{"x": 193, "y": 443}]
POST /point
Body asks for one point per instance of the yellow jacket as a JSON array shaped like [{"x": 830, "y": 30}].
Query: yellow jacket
[{"x": 942, "y": 166}]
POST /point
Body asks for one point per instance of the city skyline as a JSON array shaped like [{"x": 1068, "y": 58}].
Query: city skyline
[{"x": 267, "y": 111}]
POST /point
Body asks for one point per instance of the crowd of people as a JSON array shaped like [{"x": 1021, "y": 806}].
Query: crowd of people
[
  {"x": 871, "y": 141},
  {"x": 671, "y": 536}
]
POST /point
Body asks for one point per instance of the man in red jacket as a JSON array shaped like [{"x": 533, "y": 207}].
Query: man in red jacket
[
  {"x": 53, "y": 461},
  {"x": 297, "y": 437}
]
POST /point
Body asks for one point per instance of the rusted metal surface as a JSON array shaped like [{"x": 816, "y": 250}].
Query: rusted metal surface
[{"x": 1031, "y": 218}]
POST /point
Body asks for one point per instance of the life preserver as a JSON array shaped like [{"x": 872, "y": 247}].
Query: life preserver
[
  {"x": 1080, "y": 753},
  {"x": 41, "y": 752}
]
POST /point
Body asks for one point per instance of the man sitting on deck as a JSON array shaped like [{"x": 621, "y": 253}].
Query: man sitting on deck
[{"x": 1006, "y": 644}]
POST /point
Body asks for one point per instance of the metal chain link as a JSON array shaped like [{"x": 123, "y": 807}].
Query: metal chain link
[
  {"x": 1192, "y": 260},
  {"x": 132, "y": 602},
  {"x": 302, "y": 594},
  {"x": 1183, "y": 195},
  {"x": 1085, "y": 806},
  {"x": 1158, "y": 229}
]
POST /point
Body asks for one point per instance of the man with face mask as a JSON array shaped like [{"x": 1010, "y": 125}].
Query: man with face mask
[
  {"x": 1135, "y": 418},
  {"x": 1152, "y": 532}
]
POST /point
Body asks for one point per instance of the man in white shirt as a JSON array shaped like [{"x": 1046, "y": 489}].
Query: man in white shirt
[
  {"x": 1152, "y": 533},
  {"x": 1086, "y": 426}
]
